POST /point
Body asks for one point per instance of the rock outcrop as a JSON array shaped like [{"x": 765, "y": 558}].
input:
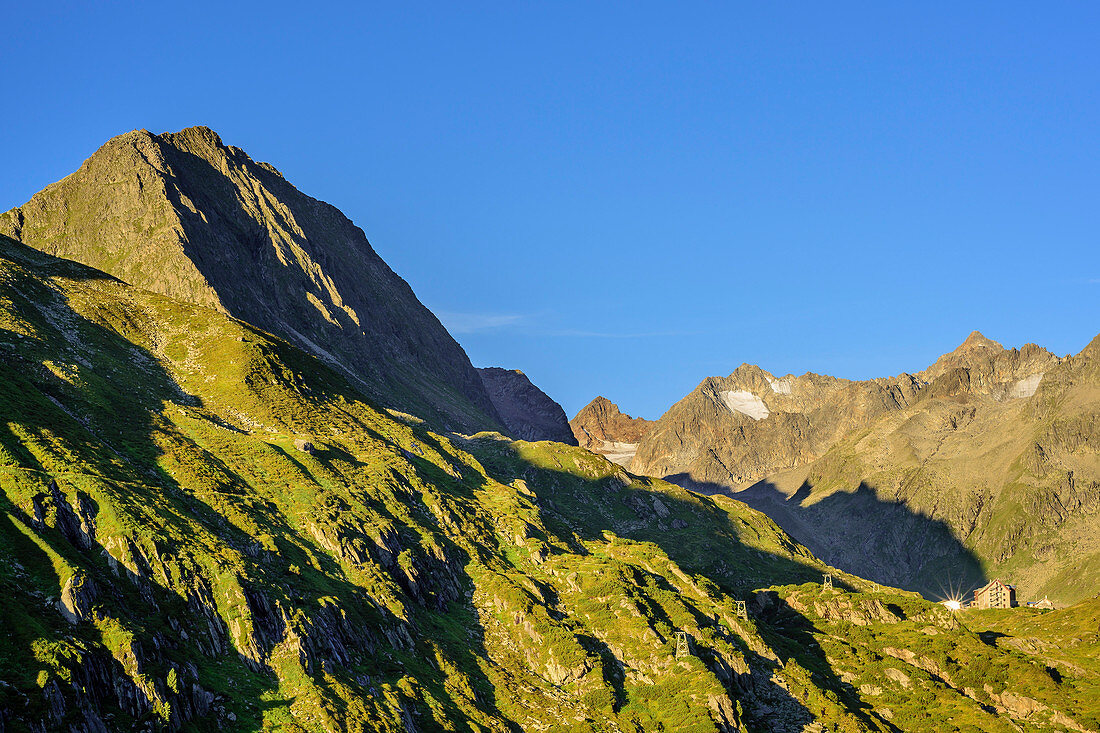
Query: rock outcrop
[
  {"x": 528, "y": 413},
  {"x": 184, "y": 215}
]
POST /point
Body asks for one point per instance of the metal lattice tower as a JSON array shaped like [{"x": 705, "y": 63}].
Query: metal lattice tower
[
  {"x": 827, "y": 584},
  {"x": 683, "y": 644},
  {"x": 742, "y": 609}
]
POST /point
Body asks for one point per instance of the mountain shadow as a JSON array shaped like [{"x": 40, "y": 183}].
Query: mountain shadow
[
  {"x": 863, "y": 533},
  {"x": 194, "y": 566},
  {"x": 722, "y": 552},
  {"x": 78, "y": 403}
]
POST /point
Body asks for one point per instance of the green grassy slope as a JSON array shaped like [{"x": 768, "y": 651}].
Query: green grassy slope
[
  {"x": 173, "y": 559},
  {"x": 211, "y": 571},
  {"x": 921, "y": 667}
]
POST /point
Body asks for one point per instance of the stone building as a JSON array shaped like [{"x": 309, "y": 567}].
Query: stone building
[{"x": 995, "y": 595}]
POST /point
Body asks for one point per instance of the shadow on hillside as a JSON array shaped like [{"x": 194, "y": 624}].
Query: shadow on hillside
[
  {"x": 792, "y": 634},
  {"x": 91, "y": 425},
  {"x": 704, "y": 540},
  {"x": 184, "y": 537},
  {"x": 79, "y": 406},
  {"x": 867, "y": 535}
]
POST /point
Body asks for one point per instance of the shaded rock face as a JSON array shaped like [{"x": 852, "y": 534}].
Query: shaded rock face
[
  {"x": 602, "y": 428},
  {"x": 985, "y": 460},
  {"x": 186, "y": 216},
  {"x": 528, "y": 412}
]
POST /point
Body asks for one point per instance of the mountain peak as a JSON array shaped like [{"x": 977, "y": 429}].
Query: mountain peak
[
  {"x": 603, "y": 407},
  {"x": 992, "y": 367},
  {"x": 977, "y": 340},
  {"x": 186, "y": 216},
  {"x": 601, "y": 427},
  {"x": 197, "y": 132}
]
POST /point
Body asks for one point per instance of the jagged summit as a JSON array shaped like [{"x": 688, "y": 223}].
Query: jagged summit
[
  {"x": 601, "y": 420},
  {"x": 196, "y": 134},
  {"x": 604, "y": 407},
  {"x": 184, "y": 215},
  {"x": 975, "y": 347}
]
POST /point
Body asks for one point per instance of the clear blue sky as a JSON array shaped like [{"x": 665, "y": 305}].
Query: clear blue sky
[{"x": 624, "y": 198}]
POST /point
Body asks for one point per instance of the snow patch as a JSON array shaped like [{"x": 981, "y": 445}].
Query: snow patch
[
  {"x": 746, "y": 403},
  {"x": 780, "y": 386},
  {"x": 1026, "y": 386},
  {"x": 620, "y": 453}
]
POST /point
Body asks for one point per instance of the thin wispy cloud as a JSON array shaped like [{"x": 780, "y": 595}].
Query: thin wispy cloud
[
  {"x": 477, "y": 322},
  {"x": 578, "y": 333},
  {"x": 527, "y": 324}
]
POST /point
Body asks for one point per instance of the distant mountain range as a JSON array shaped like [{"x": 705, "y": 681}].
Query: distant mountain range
[{"x": 983, "y": 464}]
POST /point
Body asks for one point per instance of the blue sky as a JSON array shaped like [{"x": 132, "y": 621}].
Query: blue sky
[{"x": 624, "y": 198}]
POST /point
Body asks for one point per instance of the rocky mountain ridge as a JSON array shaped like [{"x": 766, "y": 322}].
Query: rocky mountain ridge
[
  {"x": 184, "y": 215},
  {"x": 737, "y": 429},
  {"x": 926, "y": 481},
  {"x": 993, "y": 369}
]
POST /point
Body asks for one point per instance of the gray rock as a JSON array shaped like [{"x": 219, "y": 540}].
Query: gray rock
[
  {"x": 77, "y": 598},
  {"x": 527, "y": 411}
]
